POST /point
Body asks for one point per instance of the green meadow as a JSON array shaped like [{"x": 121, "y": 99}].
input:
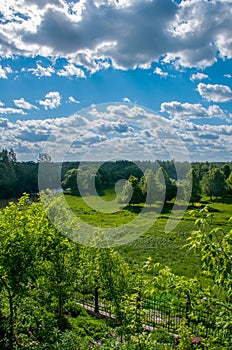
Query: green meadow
[{"x": 163, "y": 247}]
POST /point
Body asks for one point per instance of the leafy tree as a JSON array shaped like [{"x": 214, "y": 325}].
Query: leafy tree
[
  {"x": 114, "y": 276},
  {"x": 70, "y": 180},
  {"x": 215, "y": 248},
  {"x": 214, "y": 183},
  {"x": 226, "y": 170},
  {"x": 7, "y": 156},
  {"x": 8, "y": 180},
  {"x": 105, "y": 176},
  {"x": 44, "y": 158},
  {"x": 132, "y": 191},
  {"x": 58, "y": 271},
  {"x": 165, "y": 185},
  {"x": 27, "y": 178},
  {"x": 229, "y": 184},
  {"x": 82, "y": 180},
  {"x": 20, "y": 226},
  {"x": 192, "y": 185},
  {"x": 150, "y": 187}
]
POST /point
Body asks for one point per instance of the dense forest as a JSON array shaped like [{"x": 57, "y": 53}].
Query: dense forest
[{"x": 58, "y": 294}]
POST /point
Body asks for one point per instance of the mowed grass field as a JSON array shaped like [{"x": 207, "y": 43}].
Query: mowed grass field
[{"x": 164, "y": 247}]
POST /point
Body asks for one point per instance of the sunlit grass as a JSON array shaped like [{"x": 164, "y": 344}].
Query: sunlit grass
[{"x": 163, "y": 247}]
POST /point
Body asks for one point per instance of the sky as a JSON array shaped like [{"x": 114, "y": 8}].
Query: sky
[{"x": 110, "y": 79}]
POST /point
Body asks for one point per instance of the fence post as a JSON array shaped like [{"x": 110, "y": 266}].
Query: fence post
[
  {"x": 138, "y": 311},
  {"x": 188, "y": 303}
]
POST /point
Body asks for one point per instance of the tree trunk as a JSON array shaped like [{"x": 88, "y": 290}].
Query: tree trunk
[
  {"x": 11, "y": 318},
  {"x": 96, "y": 303},
  {"x": 11, "y": 322},
  {"x": 60, "y": 307}
]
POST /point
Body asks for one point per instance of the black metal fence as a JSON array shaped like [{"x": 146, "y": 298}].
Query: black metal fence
[
  {"x": 157, "y": 313},
  {"x": 162, "y": 314}
]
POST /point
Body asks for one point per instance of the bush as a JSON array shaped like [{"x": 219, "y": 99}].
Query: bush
[
  {"x": 96, "y": 329},
  {"x": 73, "y": 309}
]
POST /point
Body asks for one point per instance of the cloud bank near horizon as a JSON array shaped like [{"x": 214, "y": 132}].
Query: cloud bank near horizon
[{"x": 115, "y": 130}]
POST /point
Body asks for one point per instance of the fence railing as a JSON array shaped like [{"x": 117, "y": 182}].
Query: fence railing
[
  {"x": 156, "y": 313},
  {"x": 161, "y": 313}
]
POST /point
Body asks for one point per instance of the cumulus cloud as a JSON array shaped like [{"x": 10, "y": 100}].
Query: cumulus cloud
[
  {"x": 191, "y": 111},
  {"x": 119, "y": 126},
  {"x": 199, "y": 76},
  {"x": 41, "y": 71},
  {"x": 215, "y": 93},
  {"x": 124, "y": 34},
  {"x": 52, "y": 100},
  {"x": 160, "y": 72},
  {"x": 229, "y": 76},
  {"x": 4, "y": 71},
  {"x": 21, "y": 103},
  {"x": 9, "y": 110},
  {"x": 73, "y": 100},
  {"x": 126, "y": 99},
  {"x": 71, "y": 70},
  {"x": 118, "y": 133}
]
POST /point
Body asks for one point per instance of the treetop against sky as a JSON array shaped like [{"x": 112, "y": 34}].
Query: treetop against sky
[{"x": 59, "y": 57}]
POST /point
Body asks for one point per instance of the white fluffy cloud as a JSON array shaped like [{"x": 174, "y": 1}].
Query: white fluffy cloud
[
  {"x": 4, "y": 71},
  {"x": 52, "y": 100},
  {"x": 119, "y": 131},
  {"x": 21, "y": 103},
  {"x": 160, "y": 72},
  {"x": 9, "y": 110},
  {"x": 125, "y": 34},
  {"x": 126, "y": 99},
  {"x": 71, "y": 70},
  {"x": 199, "y": 76},
  {"x": 191, "y": 111},
  {"x": 215, "y": 93},
  {"x": 41, "y": 71},
  {"x": 73, "y": 100}
]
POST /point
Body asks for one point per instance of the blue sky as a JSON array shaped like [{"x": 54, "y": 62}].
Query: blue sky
[{"x": 170, "y": 61}]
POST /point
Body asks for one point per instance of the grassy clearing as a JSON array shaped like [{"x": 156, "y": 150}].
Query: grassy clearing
[{"x": 163, "y": 247}]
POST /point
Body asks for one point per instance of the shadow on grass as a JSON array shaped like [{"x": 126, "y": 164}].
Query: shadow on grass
[
  {"x": 225, "y": 200},
  {"x": 167, "y": 208}
]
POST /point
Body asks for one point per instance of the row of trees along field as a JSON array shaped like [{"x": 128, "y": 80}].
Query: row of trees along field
[
  {"x": 212, "y": 179},
  {"x": 43, "y": 276}
]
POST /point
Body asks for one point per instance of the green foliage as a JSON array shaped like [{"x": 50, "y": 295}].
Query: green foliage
[
  {"x": 7, "y": 156},
  {"x": 88, "y": 326},
  {"x": 152, "y": 189},
  {"x": 8, "y": 179},
  {"x": 229, "y": 184},
  {"x": 106, "y": 270},
  {"x": 165, "y": 184},
  {"x": 226, "y": 170},
  {"x": 132, "y": 192},
  {"x": 73, "y": 309},
  {"x": 215, "y": 246},
  {"x": 69, "y": 340},
  {"x": 192, "y": 185},
  {"x": 184, "y": 334},
  {"x": 214, "y": 183},
  {"x": 42, "y": 272}
]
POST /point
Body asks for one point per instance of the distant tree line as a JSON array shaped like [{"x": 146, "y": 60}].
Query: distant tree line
[
  {"x": 160, "y": 177},
  {"x": 153, "y": 182}
]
